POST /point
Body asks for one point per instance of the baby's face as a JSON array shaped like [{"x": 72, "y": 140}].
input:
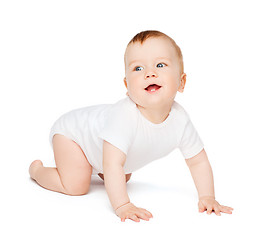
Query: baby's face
[{"x": 154, "y": 63}]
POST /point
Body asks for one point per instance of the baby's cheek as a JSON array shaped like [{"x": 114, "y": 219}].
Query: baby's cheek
[
  {"x": 136, "y": 96},
  {"x": 172, "y": 89}
]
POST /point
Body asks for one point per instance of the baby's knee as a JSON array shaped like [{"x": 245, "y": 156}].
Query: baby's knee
[{"x": 77, "y": 189}]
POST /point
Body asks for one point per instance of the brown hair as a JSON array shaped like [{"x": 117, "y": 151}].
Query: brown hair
[{"x": 144, "y": 35}]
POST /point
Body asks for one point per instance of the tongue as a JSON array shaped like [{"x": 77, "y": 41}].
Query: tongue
[{"x": 153, "y": 87}]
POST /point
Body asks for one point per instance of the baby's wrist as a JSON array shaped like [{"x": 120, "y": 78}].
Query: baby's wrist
[
  {"x": 207, "y": 197},
  {"x": 123, "y": 205}
]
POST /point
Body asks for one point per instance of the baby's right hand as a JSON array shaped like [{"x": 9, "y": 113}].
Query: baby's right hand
[{"x": 130, "y": 211}]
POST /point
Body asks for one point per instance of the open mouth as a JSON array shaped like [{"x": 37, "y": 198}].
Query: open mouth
[{"x": 152, "y": 88}]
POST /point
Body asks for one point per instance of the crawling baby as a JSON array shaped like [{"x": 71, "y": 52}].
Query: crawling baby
[{"x": 114, "y": 140}]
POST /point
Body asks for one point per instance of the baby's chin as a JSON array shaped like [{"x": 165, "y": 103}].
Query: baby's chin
[{"x": 152, "y": 103}]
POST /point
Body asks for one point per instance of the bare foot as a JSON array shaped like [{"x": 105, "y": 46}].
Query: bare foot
[{"x": 33, "y": 167}]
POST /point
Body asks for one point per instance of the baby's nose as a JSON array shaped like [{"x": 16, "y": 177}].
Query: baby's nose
[{"x": 150, "y": 74}]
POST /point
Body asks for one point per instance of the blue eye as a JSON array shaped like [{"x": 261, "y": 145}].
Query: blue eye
[
  {"x": 160, "y": 65},
  {"x": 138, "y": 68}
]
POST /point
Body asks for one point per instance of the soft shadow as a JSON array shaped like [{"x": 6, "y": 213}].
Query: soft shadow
[
  {"x": 147, "y": 187},
  {"x": 96, "y": 184}
]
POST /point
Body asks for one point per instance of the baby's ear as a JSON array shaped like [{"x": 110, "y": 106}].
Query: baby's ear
[
  {"x": 125, "y": 82},
  {"x": 182, "y": 83}
]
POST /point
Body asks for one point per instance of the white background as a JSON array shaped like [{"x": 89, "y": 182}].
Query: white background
[{"x": 59, "y": 55}]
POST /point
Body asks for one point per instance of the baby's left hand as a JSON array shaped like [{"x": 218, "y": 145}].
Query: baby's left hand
[{"x": 211, "y": 205}]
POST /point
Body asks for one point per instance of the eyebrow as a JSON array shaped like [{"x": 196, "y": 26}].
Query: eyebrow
[
  {"x": 161, "y": 58},
  {"x": 133, "y": 62}
]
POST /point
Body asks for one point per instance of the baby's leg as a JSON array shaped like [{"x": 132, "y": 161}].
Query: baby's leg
[{"x": 72, "y": 174}]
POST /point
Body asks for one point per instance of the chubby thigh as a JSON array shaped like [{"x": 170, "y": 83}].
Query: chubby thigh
[{"x": 73, "y": 167}]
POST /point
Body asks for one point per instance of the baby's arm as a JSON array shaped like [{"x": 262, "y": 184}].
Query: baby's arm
[
  {"x": 115, "y": 184},
  {"x": 203, "y": 178}
]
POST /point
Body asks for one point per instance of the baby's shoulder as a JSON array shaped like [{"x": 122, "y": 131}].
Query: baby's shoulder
[
  {"x": 119, "y": 121},
  {"x": 124, "y": 110}
]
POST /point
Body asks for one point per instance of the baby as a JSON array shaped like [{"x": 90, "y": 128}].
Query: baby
[{"x": 113, "y": 140}]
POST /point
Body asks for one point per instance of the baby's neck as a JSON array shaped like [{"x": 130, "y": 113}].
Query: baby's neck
[{"x": 155, "y": 115}]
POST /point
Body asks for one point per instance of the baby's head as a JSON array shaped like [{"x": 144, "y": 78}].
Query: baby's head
[{"x": 154, "y": 69}]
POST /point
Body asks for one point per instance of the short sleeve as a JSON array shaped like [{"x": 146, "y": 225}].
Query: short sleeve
[
  {"x": 119, "y": 127},
  {"x": 190, "y": 144}
]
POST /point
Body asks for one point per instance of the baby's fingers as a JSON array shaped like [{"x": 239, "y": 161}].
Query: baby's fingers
[
  {"x": 225, "y": 209},
  {"x": 131, "y": 217},
  {"x": 201, "y": 207},
  {"x": 217, "y": 210},
  {"x": 142, "y": 214},
  {"x": 146, "y": 212},
  {"x": 134, "y": 218},
  {"x": 209, "y": 210}
]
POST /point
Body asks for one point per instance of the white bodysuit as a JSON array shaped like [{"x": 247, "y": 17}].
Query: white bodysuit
[{"x": 123, "y": 125}]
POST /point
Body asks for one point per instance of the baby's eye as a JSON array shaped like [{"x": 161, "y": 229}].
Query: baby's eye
[
  {"x": 160, "y": 65},
  {"x": 138, "y": 68}
]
